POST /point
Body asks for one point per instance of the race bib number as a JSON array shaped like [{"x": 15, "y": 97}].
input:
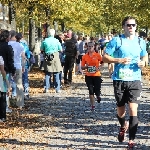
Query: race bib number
[
  {"x": 125, "y": 74},
  {"x": 91, "y": 69}
]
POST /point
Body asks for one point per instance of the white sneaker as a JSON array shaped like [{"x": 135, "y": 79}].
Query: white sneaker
[
  {"x": 59, "y": 91},
  {"x": 20, "y": 107}
]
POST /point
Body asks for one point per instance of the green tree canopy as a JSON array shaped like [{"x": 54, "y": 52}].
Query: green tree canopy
[{"x": 83, "y": 15}]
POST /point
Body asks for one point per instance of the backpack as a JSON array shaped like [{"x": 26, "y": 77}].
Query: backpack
[
  {"x": 71, "y": 49},
  {"x": 49, "y": 57}
]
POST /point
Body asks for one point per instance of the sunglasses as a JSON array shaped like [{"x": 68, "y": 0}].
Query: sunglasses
[
  {"x": 90, "y": 46},
  {"x": 129, "y": 25}
]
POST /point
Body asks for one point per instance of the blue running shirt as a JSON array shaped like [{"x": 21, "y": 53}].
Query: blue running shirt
[{"x": 127, "y": 48}]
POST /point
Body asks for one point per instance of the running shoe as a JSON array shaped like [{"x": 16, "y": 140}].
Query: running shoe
[
  {"x": 92, "y": 108},
  {"x": 131, "y": 146},
  {"x": 122, "y": 132}
]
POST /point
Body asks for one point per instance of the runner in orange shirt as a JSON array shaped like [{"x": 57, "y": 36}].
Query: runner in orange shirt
[{"x": 91, "y": 62}]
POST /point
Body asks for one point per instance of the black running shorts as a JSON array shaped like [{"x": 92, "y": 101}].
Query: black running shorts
[
  {"x": 127, "y": 91},
  {"x": 94, "y": 84}
]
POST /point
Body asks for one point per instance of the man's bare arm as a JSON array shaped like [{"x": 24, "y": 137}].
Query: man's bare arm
[{"x": 110, "y": 59}]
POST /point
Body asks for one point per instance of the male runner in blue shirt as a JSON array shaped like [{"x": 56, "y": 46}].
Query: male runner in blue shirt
[{"x": 129, "y": 56}]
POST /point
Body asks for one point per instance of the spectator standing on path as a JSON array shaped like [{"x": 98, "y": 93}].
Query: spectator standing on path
[
  {"x": 6, "y": 51},
  {"x": 19, "y": 63},
  {"x": 25, "y": 80},
  {"x": 51, "y": 47},
  {"x": 71, "y": 54},
  {"x": 81, "y": 53},
  {"x": 92, "y": 62},
  {"x": 130, "y": 56},
  {"x": 62, "y": 55},
  {"x": 7, "y": 54},
  {"x": 4, "y": 87}
]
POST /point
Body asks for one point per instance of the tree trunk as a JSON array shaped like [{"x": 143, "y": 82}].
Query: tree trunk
[
  {"x": 39, "y": 34},
  {"x": 31, "y": 34},
  {"x": 12, "y": 12},
  {"x": 62, "y": 26},
  {"x": 56, "y": 27},
  {"x": 146, "y": 31}
]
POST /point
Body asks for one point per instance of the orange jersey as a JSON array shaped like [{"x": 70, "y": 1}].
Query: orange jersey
[{"x": 92, "y": 61}]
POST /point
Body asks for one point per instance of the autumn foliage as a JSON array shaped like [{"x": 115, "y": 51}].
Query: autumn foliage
[{"x": 83, "y": 15}]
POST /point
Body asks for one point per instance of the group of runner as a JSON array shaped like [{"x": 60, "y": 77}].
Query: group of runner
[{"x": 127, "y": 54}]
